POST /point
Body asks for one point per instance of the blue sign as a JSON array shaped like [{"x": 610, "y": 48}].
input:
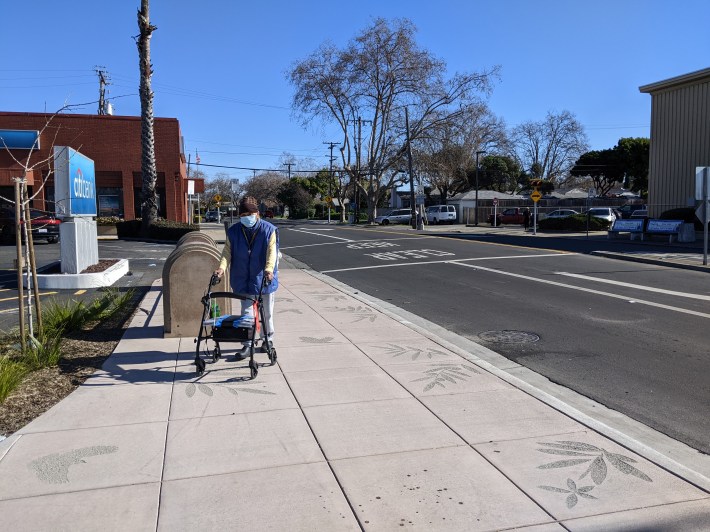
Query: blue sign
[
  {"x": 663, "y": 226},
  {"x": 631, "y": 226},
  {"x": 19, "y": 139},
  {"x": 74, "y": 182}
]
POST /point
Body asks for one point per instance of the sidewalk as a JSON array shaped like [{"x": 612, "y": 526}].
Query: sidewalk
[{"x": 367, "y": 422}]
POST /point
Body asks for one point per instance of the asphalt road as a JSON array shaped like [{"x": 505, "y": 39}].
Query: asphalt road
[
  {"x": 145, "y": 261},
  {"x": 630, "y": 336}
]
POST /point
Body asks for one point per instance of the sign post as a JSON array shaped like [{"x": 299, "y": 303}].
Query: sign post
[
  {"x": 75, "y": 198},
  {"x": 535, "y": 196},
  {"x": 495, "y": 212}
]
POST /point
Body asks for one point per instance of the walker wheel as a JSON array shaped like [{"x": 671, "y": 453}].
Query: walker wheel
[
  {"x": 216, "y": 353},
  {"x": 272, "y": 356},
  {"x": 254, "y": 367},
  {"x": 200, "y": 369}
]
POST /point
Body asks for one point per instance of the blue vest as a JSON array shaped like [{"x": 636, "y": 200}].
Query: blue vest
[{"x": 249, "y": 246}]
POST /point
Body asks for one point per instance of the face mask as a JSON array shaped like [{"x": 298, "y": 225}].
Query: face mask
[{"x": 248, "y": 221}]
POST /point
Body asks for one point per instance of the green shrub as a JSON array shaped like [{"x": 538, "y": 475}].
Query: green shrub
[
  {"x": 128, "y": 228},
  {"x": 687, "y": 214},
  {"x": 45, "y": 351},
  {"x": 159, "y": 230},
  {"x": 60, "y": 316},
  {"x": 578, "y": 222},
  {"x": 11, "y": 374},
  {"x": 108, "y": 220}
]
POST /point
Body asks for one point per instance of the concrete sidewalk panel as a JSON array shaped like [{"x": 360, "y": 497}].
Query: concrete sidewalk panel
[
  {"x": 138, "y": 346},
  {"x": 149, "y": 367},
  {"x": 344, "y": 385},
  {"x": 584, "y": 474},
  {"x": 310, "y": 338},
  {"x": 292, "y": 359},
  {"x": 132, "y": 508},
  {"x": 93, "y": 405},
  {"x": 83, "y": 459},
  {"x": 298, "y": 497},
  {"x": 298, "y": 318},
  {"x": 501, "y": 414},
  {"x": 444, "y": 378},
  {"x": 225, "y": 370},
  {"x": 219, "y": 398},
  {"x": 415, "y": 349},
  {"x": 377, "y": 427},
  {"x": 435, "y": 489},
  {"x": 240, "y": 442},
  {"x": 382, "y": 332},
  {"x": 680, "y": 517}
]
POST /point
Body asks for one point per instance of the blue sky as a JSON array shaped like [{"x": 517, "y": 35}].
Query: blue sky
[{"x": 220, "y": 65}]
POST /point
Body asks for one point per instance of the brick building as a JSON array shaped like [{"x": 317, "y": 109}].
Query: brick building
[{"x": 114, "y": 143}]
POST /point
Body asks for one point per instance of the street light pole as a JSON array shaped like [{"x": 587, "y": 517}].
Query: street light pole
[{"x": 475, "y": 220}]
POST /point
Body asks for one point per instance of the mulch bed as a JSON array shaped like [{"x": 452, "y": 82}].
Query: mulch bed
[
  {"x": 83, "y": 352},
  {"x": 100, "y": 266}
]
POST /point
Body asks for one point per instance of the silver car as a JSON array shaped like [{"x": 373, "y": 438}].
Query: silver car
[
  {"x": 397, "y": 216},
  {"x": 603, "y": 213}
]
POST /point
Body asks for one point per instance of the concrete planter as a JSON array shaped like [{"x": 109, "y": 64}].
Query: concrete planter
[{"x": 106, "y": 230}]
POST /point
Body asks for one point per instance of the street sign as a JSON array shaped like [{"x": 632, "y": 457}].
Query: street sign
[
  {"x": 235, "y": 185},
  {"x": 535, "y": 196},
  {"x": 701, "y": 213},
  {"x": 701, "y": 173},
  {"x": 217, "y": 198},
  {"x": 328, "y": 199},
  {"x": 592, "y": 192},
  {"x": 495, "y": 202}
]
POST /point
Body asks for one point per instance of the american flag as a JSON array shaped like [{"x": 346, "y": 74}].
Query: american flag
[{"x": 197, "y": 157}]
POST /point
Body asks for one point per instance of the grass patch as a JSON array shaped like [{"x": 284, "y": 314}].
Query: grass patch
[
  {"x": 59, "y": 319},
  {"x": 11, "y": 375}
]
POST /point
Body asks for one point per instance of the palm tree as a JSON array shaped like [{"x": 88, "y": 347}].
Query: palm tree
[{"x": 149, "y": 204}]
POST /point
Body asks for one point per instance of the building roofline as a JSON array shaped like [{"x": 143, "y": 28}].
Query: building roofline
[
  {"x": 685, "y": 79},
  {"x": 84, "y": 116}
]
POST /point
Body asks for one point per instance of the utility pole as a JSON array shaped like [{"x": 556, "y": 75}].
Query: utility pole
[
  {"x": 331, "y": 145},
  {"x": 411, "y": 171},
  {"x": 289, "y": 170},
  {"x": 103, "y": 81},
  {"x": 479, "y": 152}
]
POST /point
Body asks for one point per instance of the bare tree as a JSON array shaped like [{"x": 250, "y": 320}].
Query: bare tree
[
  {"x": 446, "y": 156},
  {"x": 149, "y": 203},
  {"x": 265, "y": 187},
  {"x": 365, "y": 88},
  {"x": 549, "y": 148}
]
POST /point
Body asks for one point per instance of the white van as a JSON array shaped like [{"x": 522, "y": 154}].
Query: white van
[{"x": 439, "y": 214}]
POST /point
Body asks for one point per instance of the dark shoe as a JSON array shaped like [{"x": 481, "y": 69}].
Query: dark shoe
[
  {"x": 264, "y": 347},
  {"x": 242, "y": 353}
]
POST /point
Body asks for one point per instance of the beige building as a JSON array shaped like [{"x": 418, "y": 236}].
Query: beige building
[{"x": 680, "y": 138}]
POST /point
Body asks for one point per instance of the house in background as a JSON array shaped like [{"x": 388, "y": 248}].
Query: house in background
[
  {"x": 680, "y": 138},
  {"x": 114, "y": 144}
]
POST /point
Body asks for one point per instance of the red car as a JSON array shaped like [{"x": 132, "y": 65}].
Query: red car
[{"x": 44, "y": 225}]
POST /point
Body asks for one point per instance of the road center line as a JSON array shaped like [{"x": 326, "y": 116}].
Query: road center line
[
  {"x": 321, "y": 234},
  {"x": 636, "y": 286},
  {"x": 589, "y": 290},
  {"x": 447, "y": 262}
]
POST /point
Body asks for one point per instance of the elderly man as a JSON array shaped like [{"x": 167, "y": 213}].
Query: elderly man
[{"x": 251, "y": 252}]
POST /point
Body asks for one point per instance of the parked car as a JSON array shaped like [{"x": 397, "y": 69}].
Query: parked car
[
  {"x": 640, "y": 213},
  {"x": 629, "y": 209},
  {"x": 508, "y": 216},
  {"x": 397, "y": 216},
  {"x": 211, "y": 216},
  {"x": 45, "y": 226},
  {"x": 603, "y": 213},
  {"x": 559, "y": 213},
  {"x": 439, "y": 214}
]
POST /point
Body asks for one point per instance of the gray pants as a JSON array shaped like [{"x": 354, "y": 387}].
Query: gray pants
[{"x": 268, "y": 302}]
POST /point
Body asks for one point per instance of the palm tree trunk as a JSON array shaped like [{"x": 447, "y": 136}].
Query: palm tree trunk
[{"x": 149, "y": 204}]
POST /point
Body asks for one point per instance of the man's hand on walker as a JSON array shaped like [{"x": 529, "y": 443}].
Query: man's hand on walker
[
  {"x": 219, "y": 272},
  {"x": 269, "y": 276}
]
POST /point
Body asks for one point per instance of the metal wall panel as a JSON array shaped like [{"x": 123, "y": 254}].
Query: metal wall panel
[{"x": 680, "y": 141}]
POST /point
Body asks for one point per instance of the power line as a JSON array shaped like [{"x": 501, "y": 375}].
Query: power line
[{"x": 260, "y": 169}]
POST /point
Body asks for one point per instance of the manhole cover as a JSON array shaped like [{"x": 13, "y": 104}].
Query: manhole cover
[{"x": 509, "y": 337}]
